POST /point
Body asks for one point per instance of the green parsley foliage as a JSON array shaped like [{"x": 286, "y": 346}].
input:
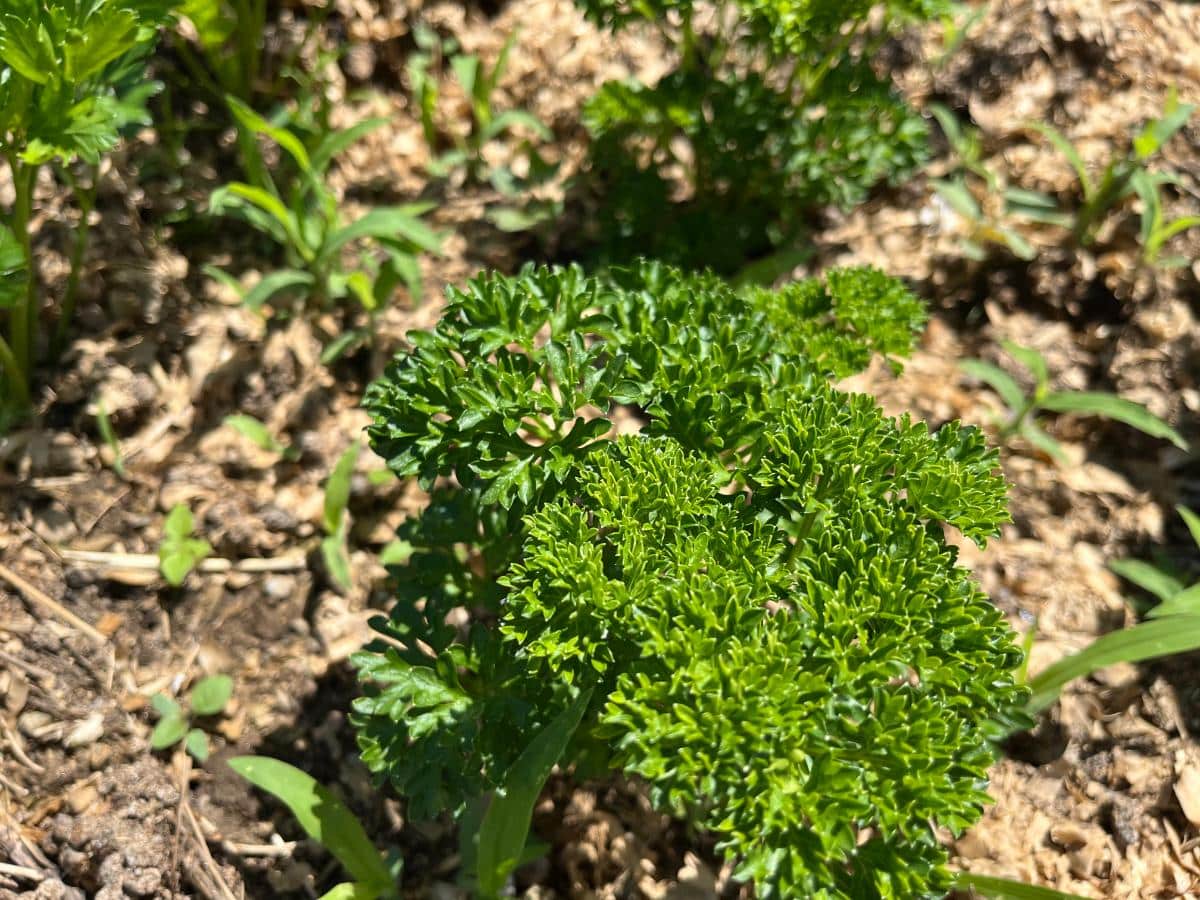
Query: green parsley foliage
[
  {"x": 72, "y": 80},
  {"x": 752, "y": 582},
  {"x": 771, "y": 113}
]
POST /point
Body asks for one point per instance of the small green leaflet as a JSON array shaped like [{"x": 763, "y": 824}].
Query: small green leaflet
[{"x": 179, "y": 552}]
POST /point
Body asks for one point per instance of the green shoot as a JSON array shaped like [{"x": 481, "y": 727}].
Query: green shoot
[
  {"x": 208, "y": 697},
  {"x": 327, "y": 821},
  {"x": 179, "y": 553},
  {"x": 1022, "y": 409},
  {"x": 336, "y": 519}
]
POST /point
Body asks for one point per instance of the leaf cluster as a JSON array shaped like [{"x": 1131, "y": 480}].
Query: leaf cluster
[
  {"x": 752, "y": 586},
  {"x": 304, "y": 218},
  {"x": 66, "y": 68},
  {"x": 771, "y": 113},
  {"x": 1023, "y": 408}
]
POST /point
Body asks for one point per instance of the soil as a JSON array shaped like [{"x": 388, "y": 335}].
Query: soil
[{"x": 1101, "y": 799}]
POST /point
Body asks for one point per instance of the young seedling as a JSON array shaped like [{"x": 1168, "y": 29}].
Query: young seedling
[
  {"x": 259, "y": 435},
  {"x": 327, "y": 821},
  {"x": 994, "y": 212},
  {"x": 209, "y": 697},
  {"x": 104, "y": 426},
  {"x": 479, "y": 83},
  {"x": 1156, "y": 229},
  {"x": 179, "y": 553},
  {"x": 72, "y": 78},
  {"x": 1117, "y": 181},
  {"x": 336, "y": 519},
  {"x": 1173, "y": 627},
  {"x": 1021, "y": 415},
  {"x": 306, "y": 222}
]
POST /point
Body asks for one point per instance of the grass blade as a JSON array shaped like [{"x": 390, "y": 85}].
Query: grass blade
[
  {"x": 1097, "y": 403},
  {"x": 1149, "y": 640}
]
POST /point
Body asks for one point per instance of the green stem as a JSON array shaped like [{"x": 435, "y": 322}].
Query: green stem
[
  {"x": 24, "y": 178},
  {"x": 15, "y": 377},
  {"x": 87, "y": 202}
]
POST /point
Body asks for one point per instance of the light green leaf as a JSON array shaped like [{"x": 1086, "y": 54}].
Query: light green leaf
[
  {"x": 1030, "y": 359},
  {"x": 351, "y": 890},
  {"x": 1192, "y": 521},
  {"x": 275, "y": 283},
  {"x": 337, "y": 559},
  {"x": 256, "y": 432},
  {"x": 267, "y": 203},
  {"x": 396, "y": 223},
  {"x": 1149, "y": 578},
  {"x": 1067, "y": 149},
  {"x": 196, "y": 744},
  {"x": 505, "y": 825},
  {"x": 1158, "y": 131},
  {"x": 165, "y": 706},
  {"x": 323, "y": 817},
  {"x": 337, "y": 488},
  {"x": 1004, "y": 889},
  {"x": 1149, "y": 640},
  {"x": 1185, "y": 603},
  {"x": 512, "y": 118},
  {"x": 210, "y": 695},
  {"x": 1039, "y": 440},
  {"x": 958, "y": 198},
  {"x": 251, "y": 120},
  {"x": 332, "y": 145},
  {"x": 168, "y": 732},
  {"x": 998, "y": 380},
  {"x": 179, "y": 552},
  {"x": 1113, "y": 407}
]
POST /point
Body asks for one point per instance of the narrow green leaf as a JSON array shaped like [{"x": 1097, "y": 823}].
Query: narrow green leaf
[
  {"x": 998, "y": 380},
  {"x": 251, "y": 120},
  {"x": 255, "y": 432},
  {"x": 1004, "y": 889},
  {"x": 1184, "y": 603},
  {"x": 1192, "y": 521},
  {"x": 1037, "y": 437},
  {"x": 337, "y": 488},
  {"x": 959, "y": 198},
  {"x": 1149, "y": 640},
  {"x": 333, "y": 145},
  {"x": 275, "y": 283},
  {"x": 323, "y": 817},
  {"x": 337, "y": 559},
  {"x": 210, "y": 695},
  {"x": 1067, "y": 149},
  {"x": 1030, "y": 359},
  {"x": 397, "y": 223},
  {"x": 1149, "y": 578},
  {"x": 1113, "y": 407},
  {"x": 505, "y": 825},
  {"x": 351, "y": 890}
]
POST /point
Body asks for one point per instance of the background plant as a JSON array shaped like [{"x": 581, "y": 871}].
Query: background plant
[
  {"x": 780, "y": 112},
  {"x": 1119, "y": 178},
  {"x": 1174, "y": 627},
  {"x": 713, "y": 591},
  {"x": 304, "y": 218},
  {"x": 479, "y": 83},
  {"x": 72, "y": 78},
  {"x": 1022, "y": 408}
]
